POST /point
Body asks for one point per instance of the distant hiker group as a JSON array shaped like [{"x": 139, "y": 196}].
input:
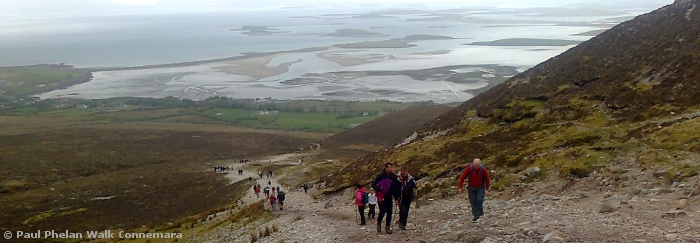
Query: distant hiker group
[
  {"x": 220, "y": 168},
  {"x": 389, "y": 189},
  {"x": 272, "y": 193},
  {"x": 269, "y": 174}
]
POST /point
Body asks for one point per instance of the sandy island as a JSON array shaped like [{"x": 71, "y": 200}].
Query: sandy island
[{"x": 256, "y": 67}]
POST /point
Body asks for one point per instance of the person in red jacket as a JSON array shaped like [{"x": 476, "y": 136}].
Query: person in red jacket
[{"x": 478, "y": 186}]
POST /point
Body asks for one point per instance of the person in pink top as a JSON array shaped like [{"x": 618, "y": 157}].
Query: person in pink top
[{"x": 360, "y": 200}]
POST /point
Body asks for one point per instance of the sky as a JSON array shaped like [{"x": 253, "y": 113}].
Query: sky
[{"x": 97, "y": 7}]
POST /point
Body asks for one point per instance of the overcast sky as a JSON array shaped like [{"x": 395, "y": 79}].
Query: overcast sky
[{"x": 56, "y": 7}]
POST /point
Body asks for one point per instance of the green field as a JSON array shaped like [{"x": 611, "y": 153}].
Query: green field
[
  {"x": 308, "y": 116},
  {"x": 27, "y": 80},
  {"x": 321, "y": 122}
]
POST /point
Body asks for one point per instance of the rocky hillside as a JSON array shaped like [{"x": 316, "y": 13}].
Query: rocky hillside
[{"x": 626, "y": 99}]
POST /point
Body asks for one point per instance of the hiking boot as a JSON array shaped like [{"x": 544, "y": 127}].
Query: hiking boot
[
  {"x": 379, "y": 226},
  {"x": 475, "y": 218},
  {"x": 388, "y": 230},
  {"x": 402, "y": 227}
]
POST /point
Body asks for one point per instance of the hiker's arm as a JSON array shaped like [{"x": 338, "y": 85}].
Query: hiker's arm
[
  {"x": 488, "y": 180},
  {"x": 376, "y": 180},
  {"x": 461, "y": 178}
]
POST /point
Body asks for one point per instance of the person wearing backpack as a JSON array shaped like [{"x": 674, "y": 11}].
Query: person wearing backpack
[
  {"x": 404, "y": 184},
  {"x": 478, "y": 186},
  {"x": 280, "y": 197},
  {"x": 372, "y": 202},
  {"x": 382, "y": 184},
  {"x": 361, "y": 199},
  {"x": 306, "y": 187}
]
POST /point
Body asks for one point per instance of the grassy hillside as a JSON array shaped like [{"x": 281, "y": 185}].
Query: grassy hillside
[
  {"x": 628, "y": 98},
  {"x": 28, "y": 80}
]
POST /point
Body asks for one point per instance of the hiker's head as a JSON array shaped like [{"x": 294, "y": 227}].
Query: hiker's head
[
  {"x": 477, "y": 162},
  {"x": 404, "y": 171},
  {"x": 371, "y": 190},
  {"x": 389, "y": 167},
  {"x": 360, "y": 187}
]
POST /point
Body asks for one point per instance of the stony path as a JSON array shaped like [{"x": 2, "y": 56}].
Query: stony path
[{"x": 623, "y": 215}]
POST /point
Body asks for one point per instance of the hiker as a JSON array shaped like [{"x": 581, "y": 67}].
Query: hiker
[
  {"x": 280, "y": 197},
  {"x": 267, "y": 191},
  {"x": 257, "y": 190},
  {"x": 478, "y": 186},
  {"x": 306, "y": 187},
  {"x": 372, "y": 203},
  {"x": 273, "y": 201},
  {"x": 382, "y": 184},
  {"x": 278, "y": 190},
  {"x": 405, "y": 185},
  {"x": 361, "y": 199}
]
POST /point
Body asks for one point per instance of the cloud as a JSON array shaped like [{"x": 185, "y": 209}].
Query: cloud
[{"x": 137, "y": 2}]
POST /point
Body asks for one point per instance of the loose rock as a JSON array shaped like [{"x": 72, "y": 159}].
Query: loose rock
[{"x": 609, "y": 206}]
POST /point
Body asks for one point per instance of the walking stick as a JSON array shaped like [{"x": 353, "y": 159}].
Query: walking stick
[{"x": 356, "y": 213}]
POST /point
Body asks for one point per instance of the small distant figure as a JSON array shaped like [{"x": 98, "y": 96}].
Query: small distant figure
[
  {"x": 273, "y": 201},
  {"x": 372, "y": 204},
  {"x": 280, "y": 197},
  {"x": 256, "y": 189},
  {"x": 361, "y": 199},
  {"x": 267, "y": 191},
  {"x": 306, "y": 187},
  {"x": 301, "y": 161},
  {"x": 261, "y": 174}
]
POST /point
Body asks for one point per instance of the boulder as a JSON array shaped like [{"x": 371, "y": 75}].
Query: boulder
[
  {"x": 554, "y": 236},
  {"x": 532, "y": 172},
  {"x": 609, "y": 206},
  {"x": 671, "y": 237},
  {"x": 683, "y": 203},
  {"x": 674, "y": 214}
]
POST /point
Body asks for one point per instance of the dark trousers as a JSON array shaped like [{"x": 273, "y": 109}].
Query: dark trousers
[
  {"x": 385, "y": 207},
  {"x": 403, "y": 212},
  {"x": 476, "y": 199},
  {"x": 361, "y": 209},
  {"x": 372, "y": 213}
]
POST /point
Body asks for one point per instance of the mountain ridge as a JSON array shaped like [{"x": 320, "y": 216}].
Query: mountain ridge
[{"x": 595, "y": 107}]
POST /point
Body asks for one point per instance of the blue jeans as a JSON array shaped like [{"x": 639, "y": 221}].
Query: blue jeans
[
  {"x": 476, "y": 199},
  {"x": 385, "y": 207}
]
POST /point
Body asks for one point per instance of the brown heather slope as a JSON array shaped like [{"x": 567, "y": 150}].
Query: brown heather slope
[
  {"x": 121, "y": 178},
  {"x": 626, "y": 99},
  {"x": 387, "y": 130}
]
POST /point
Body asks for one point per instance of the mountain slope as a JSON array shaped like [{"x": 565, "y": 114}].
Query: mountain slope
[
  {"x": 379, "y": 133},
  {"x": 627, "y": 98},
  {"x": 389, "y": 129}
]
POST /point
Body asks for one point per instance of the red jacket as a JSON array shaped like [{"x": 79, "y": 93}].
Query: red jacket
[{"x": 476, "y": 177}]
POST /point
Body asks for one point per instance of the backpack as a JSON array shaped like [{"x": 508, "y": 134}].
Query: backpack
[
  {"x": 365, "y": 198},
  {"x": 480, "y": 171},
  {"x": 384, "y": 187}
]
